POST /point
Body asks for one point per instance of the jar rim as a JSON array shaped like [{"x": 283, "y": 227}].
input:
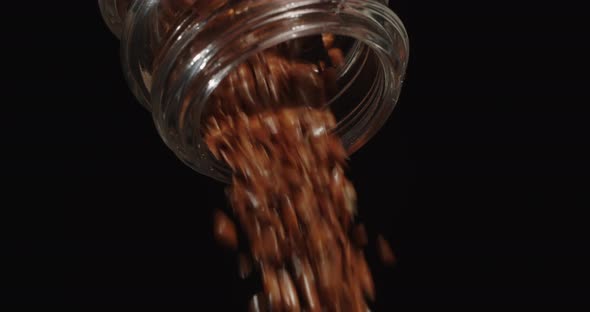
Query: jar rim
[{"x": 367, "y": 21}]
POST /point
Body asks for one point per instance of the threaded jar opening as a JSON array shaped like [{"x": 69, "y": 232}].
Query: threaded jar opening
[{"x": 236, "y": 42}]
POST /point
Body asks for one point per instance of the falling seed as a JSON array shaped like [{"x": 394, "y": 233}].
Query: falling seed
[
  {"x": 385, "y": 251},
  {"x": 225, "y": 230},
  {"x": 328, "y": 39},
  {"x": 272, "y": 288},
  {"x": 360, "y": 235},
  {"x": 336, "y": 56},
  {"x": 258, "y": 303},
  {"x": 288, "y": 292},
  {"x": 365, "y": 276}
]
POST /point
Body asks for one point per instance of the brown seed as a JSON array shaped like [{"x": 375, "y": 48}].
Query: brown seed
[
  {"x": 358, "y": 302},
  {"x": 316, "y": 243},
  {"x": 261, "y": 75},
  {"x": 258, "y": 303},
  {"x": 271, "y": 247},
  {"x": 349, "y": 198},
  {"x": 228, "y": 160},
  {"x": 360, "y": 235},
  {"x": 288, "y": 215},
  {"x": 276, "y": 77},
  {"x": 225, "y": 230},
  {"x": 293, "y": 176},
  {"x": 336, "y": 56},
  {"x": 271, "y": 124},
  {"x": 272, "y": 289},
  {"x": 338, "y": 152},
  {"x": 246, "y": 86},
  {"x": 328, "y": 39},
  {"x": 365, "y": 277},
  {"x": 288, "y": 292},
  {"x": 385, "y": 251},
  {"x": 307, "y": 285},
  {"x": 325, "y": 280},
  {"x": 303, "y": 205}
]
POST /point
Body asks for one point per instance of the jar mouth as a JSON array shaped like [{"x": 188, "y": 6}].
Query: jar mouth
[{"x": 369, "y": 78}]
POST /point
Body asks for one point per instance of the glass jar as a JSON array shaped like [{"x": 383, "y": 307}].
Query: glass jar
[{"x": 176, "y": 52}]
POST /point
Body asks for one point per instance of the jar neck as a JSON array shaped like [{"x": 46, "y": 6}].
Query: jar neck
[{"x": 204, "y": 50}]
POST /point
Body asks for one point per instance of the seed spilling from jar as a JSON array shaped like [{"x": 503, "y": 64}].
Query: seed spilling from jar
[
  {"x": 290, "y": 197},
  {"x": 289, "y": 192},
  {"x": 296, "y": 207}
]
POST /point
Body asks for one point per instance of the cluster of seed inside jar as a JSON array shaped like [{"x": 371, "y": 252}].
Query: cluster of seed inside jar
[{"x": 289, "y": 193}]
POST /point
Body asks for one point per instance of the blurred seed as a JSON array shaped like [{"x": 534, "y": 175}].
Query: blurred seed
[
  {"x": 225, "y": 230},
  {"x": 360, "y": 235},
  {"x": 385, "y": 251},
  {"x": 288, "y": 215},
  {"x": 366, "y": 279},
  {"x": 246, "y": 86},
  {"x": 288, "y": 292},
  {"x": 328, "y": 39},
  {"x": 349, "y": 198},
  {"x": 271, "y": 124},
  {"x": 336, "y": 56},
  {"x": 272, "y": 289},
  {"x": 258, "y": 303},
  {"x": 307, "y": 285},
  {"x": 271, "y": 244}
]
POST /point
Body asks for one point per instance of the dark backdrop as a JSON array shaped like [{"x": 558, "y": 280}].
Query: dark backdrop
[{"x": 479, "y": 179}]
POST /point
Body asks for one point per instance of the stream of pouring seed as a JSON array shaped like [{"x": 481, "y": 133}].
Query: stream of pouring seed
[
  {"x": 267, "y": 121},
  {"x": 289, "y": 192}
]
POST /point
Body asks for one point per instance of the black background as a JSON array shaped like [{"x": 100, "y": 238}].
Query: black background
[{"x": 479, "y": 179}]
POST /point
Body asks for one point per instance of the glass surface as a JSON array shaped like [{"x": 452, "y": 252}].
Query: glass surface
[{"x": 175, "y": 55}]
